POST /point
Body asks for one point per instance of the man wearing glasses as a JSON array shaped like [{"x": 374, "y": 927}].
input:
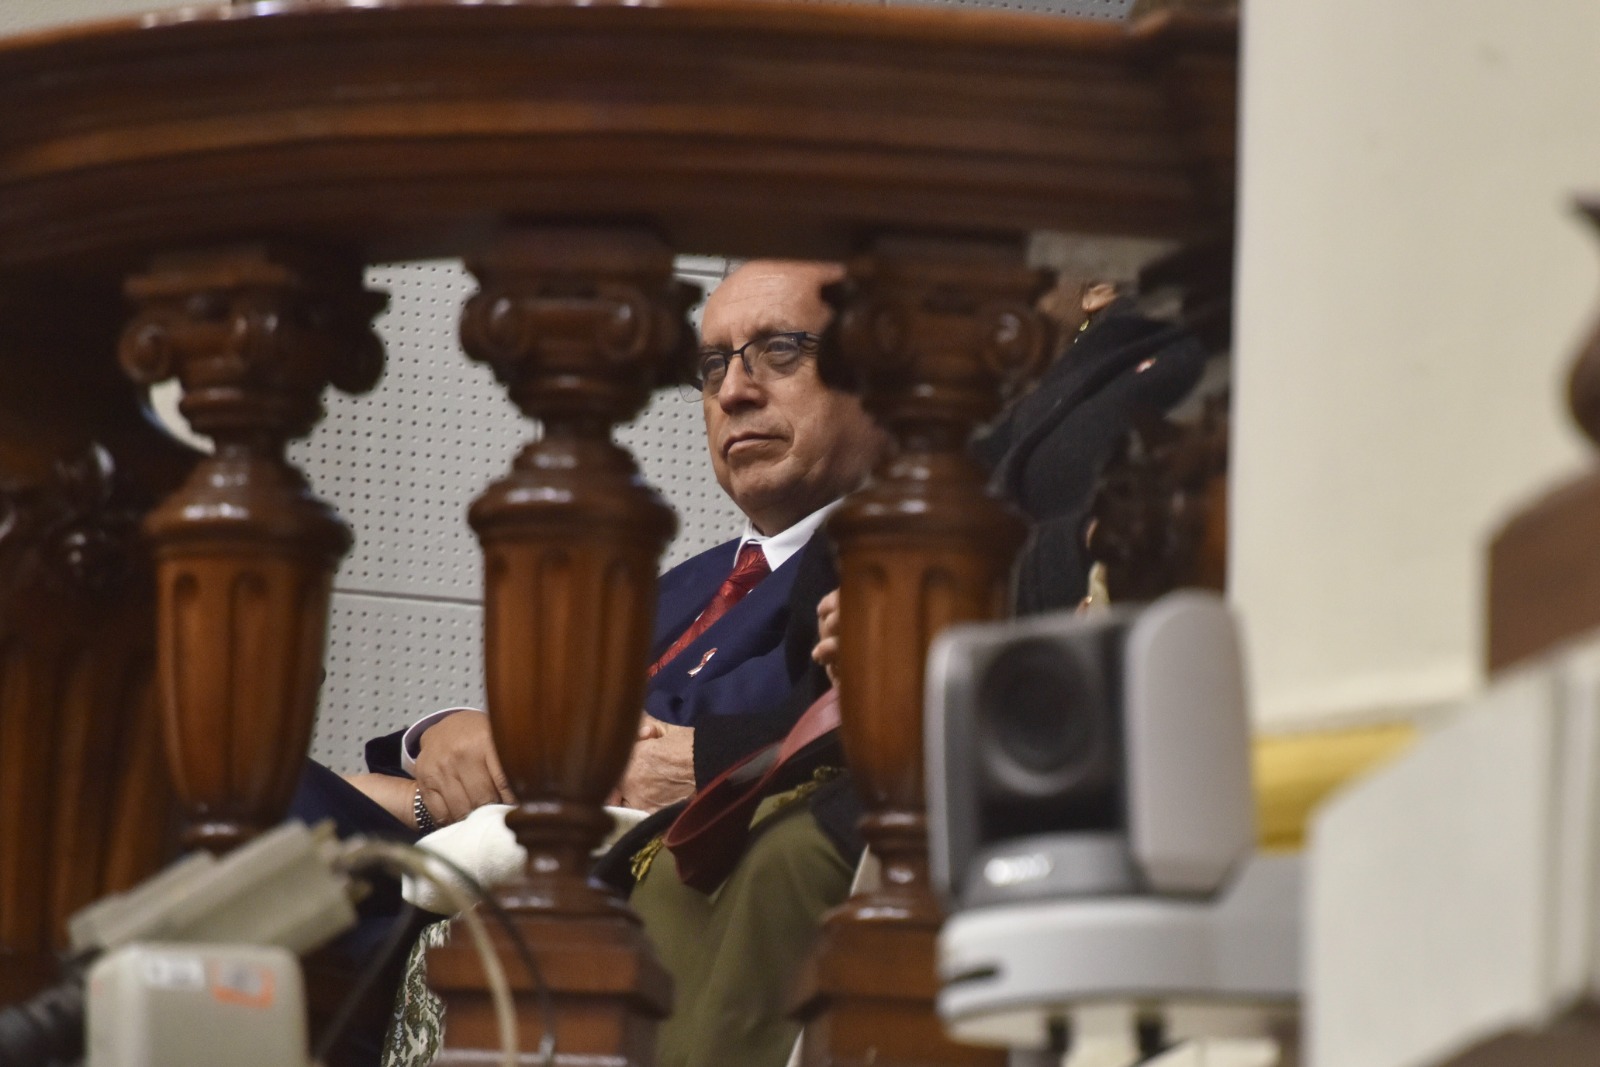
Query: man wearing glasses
[{"x": 785, "y": 447}]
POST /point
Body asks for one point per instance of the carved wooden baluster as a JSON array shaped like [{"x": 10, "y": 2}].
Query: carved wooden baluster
[
  {"x": 580, "y": 325},
  {"x": 1159, "y": 517},
  {"x": 934, "y": 330},
  {"x": 245, "y": 554},
  {"x": 81, "y": 766}
]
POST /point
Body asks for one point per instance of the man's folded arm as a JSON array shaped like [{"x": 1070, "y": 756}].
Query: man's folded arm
[{"x": 720, "y": 741}]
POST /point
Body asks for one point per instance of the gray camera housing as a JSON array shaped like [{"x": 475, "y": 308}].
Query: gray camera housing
[{"x": 1075, "y": 755}]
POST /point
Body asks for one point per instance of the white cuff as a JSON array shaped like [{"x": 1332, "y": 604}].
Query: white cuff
[{"x": 411, "y": 740}]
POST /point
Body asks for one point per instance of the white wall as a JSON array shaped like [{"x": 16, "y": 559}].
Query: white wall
[{"x": 1412, "y": 285}]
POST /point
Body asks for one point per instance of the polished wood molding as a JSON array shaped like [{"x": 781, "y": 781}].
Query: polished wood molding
[
  {"x": 580, "y": 325},
  {"x": 935, "y": 330},
  {"x": 245, "y": 554},
  {"x": 408, "y": 128}
]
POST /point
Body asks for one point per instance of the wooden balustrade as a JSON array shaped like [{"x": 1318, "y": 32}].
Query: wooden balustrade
[{"x": 231, "y": 169}]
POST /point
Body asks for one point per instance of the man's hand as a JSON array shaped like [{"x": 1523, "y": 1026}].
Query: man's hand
[
  {"x": 661, "y": 769},
  {"x": 827, "y": 650},
  {"x": 457, "y": 768}
]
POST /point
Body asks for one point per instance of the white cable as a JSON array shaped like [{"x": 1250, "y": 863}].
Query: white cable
[{"x": 419, "y": 862}]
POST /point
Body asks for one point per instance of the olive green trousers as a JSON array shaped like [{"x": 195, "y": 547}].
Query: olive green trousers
[{"x": 734, "y": 955}]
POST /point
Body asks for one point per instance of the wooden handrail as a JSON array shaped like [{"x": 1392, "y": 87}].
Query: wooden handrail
[{"x": 409, "y": 129}]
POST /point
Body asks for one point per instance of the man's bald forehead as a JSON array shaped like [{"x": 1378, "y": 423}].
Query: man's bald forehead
[
  {"x": 767, "y": 295},
  {"x": 806, "y": 272}
]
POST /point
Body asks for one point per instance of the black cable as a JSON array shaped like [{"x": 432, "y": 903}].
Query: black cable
[
  {"x": 392, "y": 941},
  {"x": 46, "y": 1030}
]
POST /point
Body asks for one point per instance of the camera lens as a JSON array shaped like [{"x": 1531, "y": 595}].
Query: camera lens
[{"x": 1046, "y": 716}]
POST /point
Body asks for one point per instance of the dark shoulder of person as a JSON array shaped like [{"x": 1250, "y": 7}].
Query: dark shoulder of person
[{"x": 1049, "y": 449}]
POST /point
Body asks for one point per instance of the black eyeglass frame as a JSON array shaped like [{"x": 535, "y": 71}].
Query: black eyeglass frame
[{"x": 695, "y": 389}]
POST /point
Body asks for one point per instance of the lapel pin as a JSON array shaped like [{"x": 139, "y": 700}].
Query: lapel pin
[{"x": 698, "y": 667}]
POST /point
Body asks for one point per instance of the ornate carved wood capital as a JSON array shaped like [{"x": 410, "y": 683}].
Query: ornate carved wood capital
[
  {"x": 255, "y": 335},
  {"x": 938, "y": 332},
  {"x": 245, "y": 553},
  {"x": 69, "y": 531},
  {"x": 580, "y": 325}
]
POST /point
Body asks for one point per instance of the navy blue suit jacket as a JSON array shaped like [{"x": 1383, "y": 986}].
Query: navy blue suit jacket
[{"x": 746, "y": 670}]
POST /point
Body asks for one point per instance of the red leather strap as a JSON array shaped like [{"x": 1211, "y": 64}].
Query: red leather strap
[
  {"x": 707, "y": 838},
  {"x": 818, "y": 719}
]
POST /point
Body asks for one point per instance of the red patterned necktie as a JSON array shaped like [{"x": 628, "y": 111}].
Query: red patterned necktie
[{"x": 748, "y": 569}]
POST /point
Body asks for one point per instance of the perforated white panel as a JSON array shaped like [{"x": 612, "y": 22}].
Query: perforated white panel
[
  {"x": 403, "y": 463},
  {"x": 391, "y": 659}
]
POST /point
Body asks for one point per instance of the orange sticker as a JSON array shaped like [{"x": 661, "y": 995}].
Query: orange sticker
[{"x": 245, "y": 984}]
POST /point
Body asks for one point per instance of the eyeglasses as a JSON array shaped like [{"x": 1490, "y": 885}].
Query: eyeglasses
[{"x": 765, "y": 359}]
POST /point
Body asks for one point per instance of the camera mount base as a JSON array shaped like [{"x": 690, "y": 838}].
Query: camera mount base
[{"x": 1010, "y": 971}]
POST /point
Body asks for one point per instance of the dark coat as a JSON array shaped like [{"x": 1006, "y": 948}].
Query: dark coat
[
  {"x": 720, "y": 741},
  {"x": 1047, "y": 452}
]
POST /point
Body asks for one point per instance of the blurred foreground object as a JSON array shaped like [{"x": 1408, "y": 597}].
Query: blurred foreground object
[{"x": 1092, "y": 824}]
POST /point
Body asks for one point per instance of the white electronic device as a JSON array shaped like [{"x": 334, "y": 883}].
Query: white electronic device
[
  {"x": 196, "y": 1005},
  {"x": 186, "y": 967},
  {"x": 1091, "y": 823}
]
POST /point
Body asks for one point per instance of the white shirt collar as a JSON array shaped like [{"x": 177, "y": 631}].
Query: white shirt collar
[{"x": 780, "y": 546}]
